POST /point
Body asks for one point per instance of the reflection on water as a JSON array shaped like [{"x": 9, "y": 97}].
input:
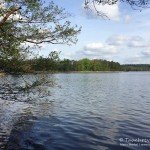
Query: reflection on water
[{"x": 89, "y": 112}]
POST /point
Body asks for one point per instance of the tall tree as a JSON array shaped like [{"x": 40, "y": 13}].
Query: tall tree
[{"x": 23, "y": 22}]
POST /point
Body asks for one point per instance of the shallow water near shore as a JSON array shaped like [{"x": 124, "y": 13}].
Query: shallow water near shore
[{"x": 95, "y": 111}]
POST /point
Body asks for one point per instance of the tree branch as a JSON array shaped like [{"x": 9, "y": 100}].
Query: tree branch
[
  {"x": 44, "y": 41},
  {"x": 10, "y": 12}
]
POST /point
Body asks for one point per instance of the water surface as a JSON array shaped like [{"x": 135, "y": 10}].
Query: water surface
[{"x": 94, "y": 111}]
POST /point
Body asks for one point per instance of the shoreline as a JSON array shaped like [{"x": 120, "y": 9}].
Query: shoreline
[
  {"x": 67, "y": 72},
  {"x": 88, "y": 72}
]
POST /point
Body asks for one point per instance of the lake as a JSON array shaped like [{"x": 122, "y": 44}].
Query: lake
[{"x": 86, "y": 111}]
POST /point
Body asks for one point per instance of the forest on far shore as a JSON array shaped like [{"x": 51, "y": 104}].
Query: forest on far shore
[{"x": 53, "y": 64}]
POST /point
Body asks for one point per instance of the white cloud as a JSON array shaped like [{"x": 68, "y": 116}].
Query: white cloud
[
  {"x": 133, "y": 60},
  {"x": 97, "y": 50},
  {"x": 138, "y": 42},
  {"x": 135, "y": 45},
  {"x": 129, "y": 41},
  {"x": 121, "y": 48},
  {"x": 117, "y": 40},
  {"x": 142, "y": 58},
  {"x": 111, "y": 11},
  {"x": 100, "y": 48},
  {"x": 94, "y": 46},
  {"x": 146, "y": 53}
]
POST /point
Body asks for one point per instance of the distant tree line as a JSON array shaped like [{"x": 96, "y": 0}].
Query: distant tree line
[
  {"x": 52, "y": 63},
  {"x": 136, "y": 67}
]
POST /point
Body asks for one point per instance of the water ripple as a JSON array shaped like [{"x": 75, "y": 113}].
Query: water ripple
[{"x": 90, "y": 112}]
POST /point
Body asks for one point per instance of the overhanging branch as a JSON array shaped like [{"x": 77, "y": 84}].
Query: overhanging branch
[{"x": 7, "y": 15}]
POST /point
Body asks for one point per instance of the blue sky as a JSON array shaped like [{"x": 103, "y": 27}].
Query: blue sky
[{"x": 124, "y": 38}]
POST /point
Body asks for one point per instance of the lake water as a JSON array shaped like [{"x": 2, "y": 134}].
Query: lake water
[{"x": 93, "y": 111}]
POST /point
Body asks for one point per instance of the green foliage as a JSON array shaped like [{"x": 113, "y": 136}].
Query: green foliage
[
  {"x": 85, "y": 65},
  {"x": 54, "y": 64},
  {"x": 66, "y": 65},
  {"x": 136, "y": 67},
  {"x": 23, "y": 22},
  {"x": 47, "y": 64}
]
